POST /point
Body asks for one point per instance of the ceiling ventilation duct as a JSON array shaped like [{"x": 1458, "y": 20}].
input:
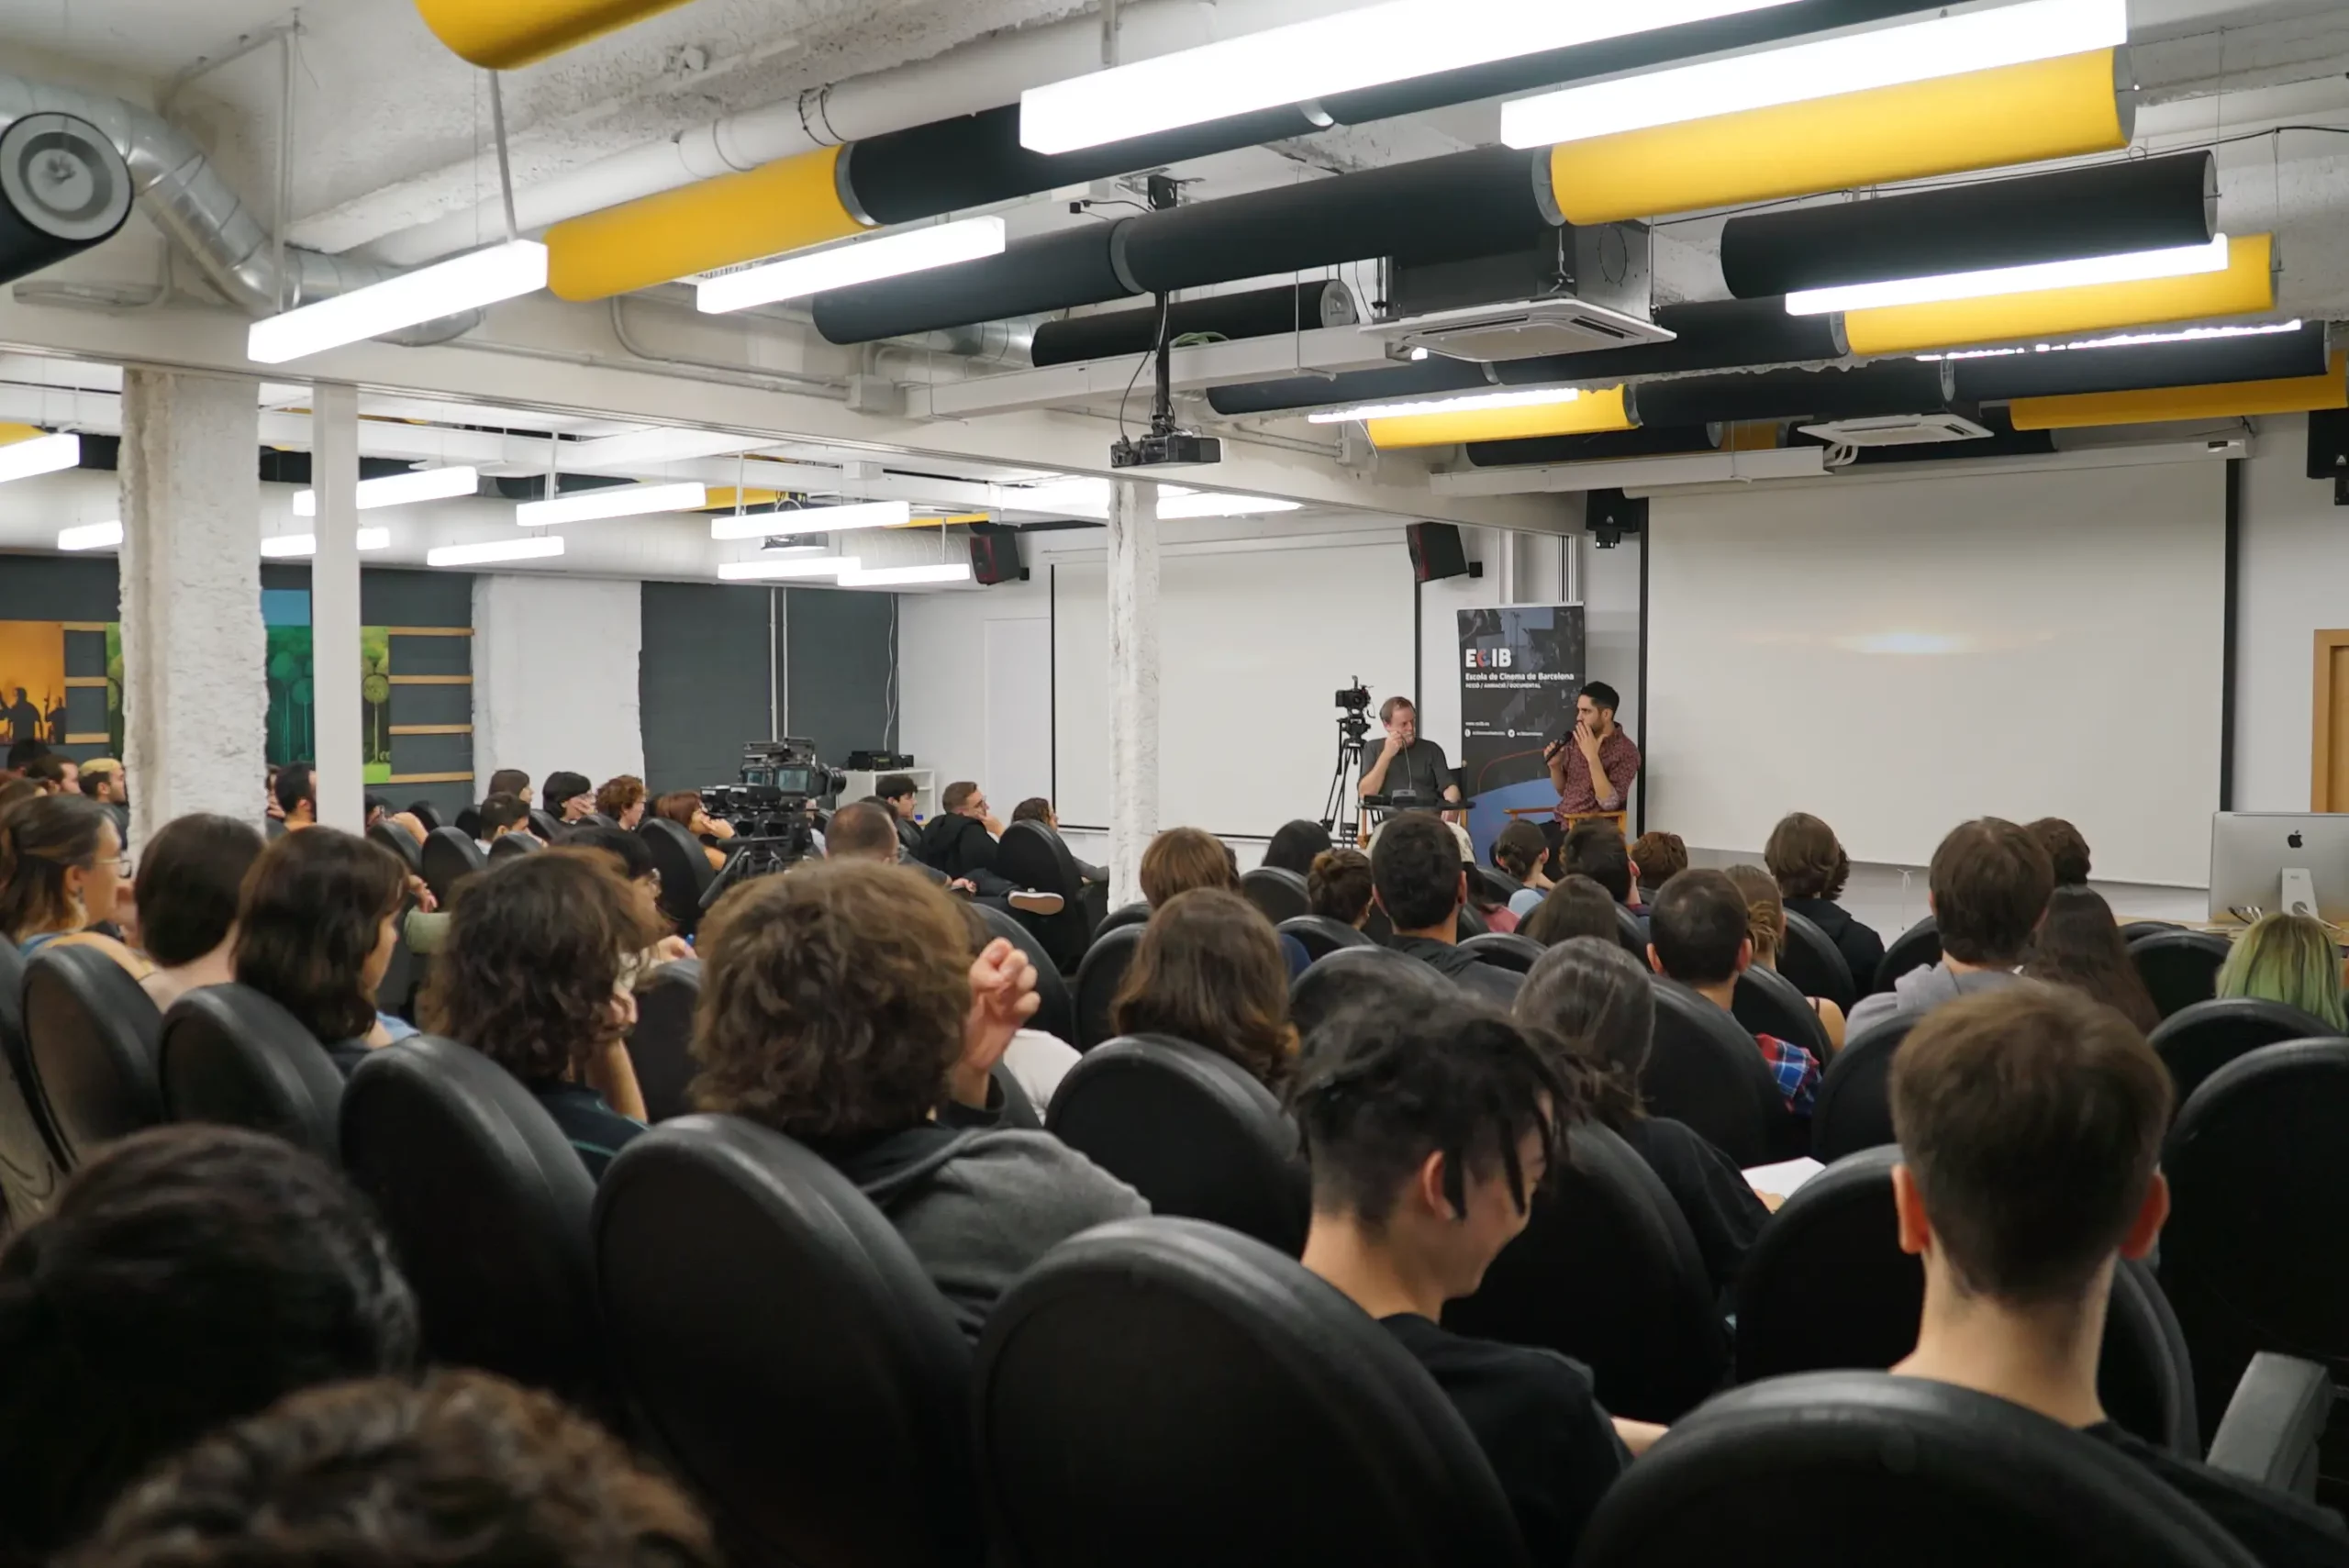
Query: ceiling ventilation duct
[
  {"x": 1893, "y": 386},
  {"x": 63, "y": 188},
  {"x": 1255, "y": 313}
]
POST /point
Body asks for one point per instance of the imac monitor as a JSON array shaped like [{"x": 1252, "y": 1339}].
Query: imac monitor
[{"x": 2257, "y": 860}]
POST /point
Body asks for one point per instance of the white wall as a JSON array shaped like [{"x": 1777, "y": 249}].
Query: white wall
[
  {"x": 2292, "y": 567},
  {"x": 555, "y": 668}
]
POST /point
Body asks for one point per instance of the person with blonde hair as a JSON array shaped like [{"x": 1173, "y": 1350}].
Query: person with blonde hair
[
  {"x": 2290, "y": 959},
  {"x": 1766, "y": 923}
]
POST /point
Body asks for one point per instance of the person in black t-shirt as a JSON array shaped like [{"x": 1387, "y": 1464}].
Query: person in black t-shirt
[
  {"x": 1428, "y": 1124},
  {"x": 1416, "y": 877},
  {"x": 2030, "y": 1119}
]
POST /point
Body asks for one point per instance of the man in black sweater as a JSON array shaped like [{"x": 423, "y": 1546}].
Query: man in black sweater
[{"x": 959, "y": 842}]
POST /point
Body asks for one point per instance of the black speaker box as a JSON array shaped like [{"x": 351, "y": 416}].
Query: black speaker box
[
  {"x": 1436, "y": 551},
  {"x": 2329, "y": 444},
  {"x": 1610, "y": 514},
  {"x": 995, "y": 558}
]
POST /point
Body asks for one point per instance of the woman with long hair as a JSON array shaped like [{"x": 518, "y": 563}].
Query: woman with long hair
[
  {"x": 316, "y": 931},
  {"x": 1765, "y": 925},
  {"x": 1811, "y": 868},
  {"x": 61, "y": 876},
  {"x": 1209, "y": 971},
  {"x": 2079, "y": 945},
  {"x": 684, "y": 807},
  {"x": 2291, "y": 958}
]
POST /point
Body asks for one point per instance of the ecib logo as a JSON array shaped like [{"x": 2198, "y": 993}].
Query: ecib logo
[{"x": 1485, "y": 657}]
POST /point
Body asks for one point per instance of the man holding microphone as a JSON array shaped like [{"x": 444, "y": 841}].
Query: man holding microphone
[
  {"x": 1592, "y": 768},
  {"x": 1406, "y": 764}
]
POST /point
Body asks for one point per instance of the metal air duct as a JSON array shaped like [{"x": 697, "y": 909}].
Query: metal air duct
[
  {"x": 1893, "y": 386},
  {"x": 63, "y": 188}
]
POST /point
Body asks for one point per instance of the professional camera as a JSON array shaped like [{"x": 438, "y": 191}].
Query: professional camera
[
  {"x": 1353, "y": 705},
  {"x": 772, "y": 811}
]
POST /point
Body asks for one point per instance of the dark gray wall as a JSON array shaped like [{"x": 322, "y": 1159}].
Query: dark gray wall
[
  {"x": 840, "y": 656},
  {"x": 58, "y": 587},
  {"x": 703, "y": 683}
]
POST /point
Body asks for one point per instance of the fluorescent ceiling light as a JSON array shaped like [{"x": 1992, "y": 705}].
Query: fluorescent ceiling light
[
  {"x": 612, "y": 501},
  {"x": 1214, "y": 504},
  {"x": 2124, "y": 340},
  {"x": 899, "y": 576},
  {"x": 853, "y": 262},
  {"x": 400, "y": 489},
  {"x": 1795, "y": 73},
  {"x": 283, "y": 545},
  {"x": 805, "y": 566},
  {"x": 1329, "y": 55},
  {"x": 447, "y": 288},
  {"x": 813, "y": 520},
  {"x": 41, "y": 454},
  {"x": 1090, "y": 499},
  {"x": 538, "y": 549},
  {"x": 1467, "y": 403},
  {"x": 2131, "y": 267},
  {"x": 657, "y": 447},
  {"x": 90, "y": 536}
]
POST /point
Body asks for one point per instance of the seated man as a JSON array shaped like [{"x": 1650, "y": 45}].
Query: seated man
[
  {"x": 1416, "y": 877},
  {"x": 1036, "y": 808},
  {"x": 1698, "y": 936},
  {"x": 296, "y": 790},
  {"x": 961, "y": 842},
  {"x": 1428, "y": 1130},
  {"x": 2030, "y": 1121},
  {"x": 502, "y": 814},
  {"x": 898, "y": 793},
  {"x": 1988, "y": 886},
  {"x": 841, "y": 1006},
  {"x": 1597, "y": 850}
]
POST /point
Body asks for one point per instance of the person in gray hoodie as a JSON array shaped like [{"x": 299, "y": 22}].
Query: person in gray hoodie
[
  {"x": 1987, "y": 887},
  {"x": 843, "y": 1006}
]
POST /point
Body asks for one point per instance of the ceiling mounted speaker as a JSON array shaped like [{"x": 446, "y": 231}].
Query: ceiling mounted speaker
[{"x": 63, "y": 188}]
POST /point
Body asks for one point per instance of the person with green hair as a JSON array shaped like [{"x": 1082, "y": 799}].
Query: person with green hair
[{"x": 2291, "y": 958}]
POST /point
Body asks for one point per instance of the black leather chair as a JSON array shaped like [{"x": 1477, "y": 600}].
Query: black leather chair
[
  {"x": 1279, "y": 893},
  {"x": 2136, "y": 931},
  {"x": 30, "y": 1166},
  {"x": 2258, "y": 1190},
  {"x": 544, "y": 825},
  {"x": 2198, "y": 1040},
  {"x": 665, "y": 999},
  {"x": 511, "y": 846},
  {"x": 1134, "y": 914},
  {"x": 1505, "y": 949},
  {"x": 785, "y": 1350},
  {"x": 395, "y": 837},
  {"x": 1854, "y": 1110},
  {"x": 1167, "y": 1394},
  {"x": 486, "y": 1204},
  {"x": 229, "y": 1054},
  {"x": 1056, "y": 1015},
  {"x": 1491, "y": 983},
  {"x": 1098, "y": 979},
  {"x": 1632, "y": 932},
  {"x": 1190, "y": 1130},
  {"x": 1606, "y": 1273},
  {"x": 467, "y": 822},
  {"x": 449, "y": 856},
  {"x": 424, "y": 811},
  {"x": 1827, "y": 1286},
  {"x": 1768, "y": 1002},
  {"x": 1919, "y": 947},
  {"x": 596, "y": 820},
  {"x": 1353, "y": 973},
  {"x": 1033, "y": 856},
  {"x": 1706, "y": 1071},
  {"x": 1861, "y": 1467},
  {"x": 1816, "y": 965},
  {"x": 1467, "y": 924},
  {"x": 684, "y": 870},
  {"x": 90, "y": 1033},
  {"x": 2180, "y": 968},
  {"x": 1320, "y": 936}
]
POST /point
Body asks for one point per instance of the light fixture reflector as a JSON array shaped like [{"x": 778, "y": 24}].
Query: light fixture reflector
[
  {"x": 90, "y": 536},
  {"x": 2123, "y": 340},
  {"x": 41, "y": 454},
  {"x": 1090, "y": 499},
  {"x": 281, "y": 546},
  {"x": 803, "y": 566},
  {"x": 612, "y": 501},
  {"x": 446, "y": 288},
  {"x": 853, "y": 262},
  {"x": 2131, "y": 267},
  {"x": 539, "y": 549},
  {"x": 401, "y": 489},
  {"x": 1467, "y": 403},
  {"x": 814, "y": 520},
  {"x": 905, "y": 576}
]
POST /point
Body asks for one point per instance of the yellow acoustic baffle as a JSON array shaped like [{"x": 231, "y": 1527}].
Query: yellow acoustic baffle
[
  {"x": 2294, "y": 394},
  {"x": 499, "y": 35},
  {"x": 11, "y": 433},
  {"x": 783, "y": 206},
  {"x": 1591, "y": 414},
  {"x": 725, "y": 500},
  {"x": 2246, "y": 287},
  {"x": 1983, "y": 119}
]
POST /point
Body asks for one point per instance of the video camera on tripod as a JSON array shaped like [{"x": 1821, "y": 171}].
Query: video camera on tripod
[
  {"x": 1339, "y": 811},
  {"x": 772, "y": 811}
]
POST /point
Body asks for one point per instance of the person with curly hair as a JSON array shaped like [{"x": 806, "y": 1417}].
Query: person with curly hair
[
  {"x": 1658, "y": 857},
  {"x": 1338, "y": 887},
  {"x": 317, "y": 925},
  {"x": 531, "y": 978},
  {"x": 463, "y": 1470},
  {"x": 622, "y": 800},
  {"x": 841, "y": 1007},
  {"x": 1209, "y": 971},
  {"x": 1808, "y": 860}
]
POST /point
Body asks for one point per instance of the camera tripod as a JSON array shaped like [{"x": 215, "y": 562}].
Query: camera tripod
[{"x": 1341, "y": 812}]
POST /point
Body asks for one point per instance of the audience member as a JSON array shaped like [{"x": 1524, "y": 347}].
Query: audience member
[
  {"x": 510, "y": 781},
  {"x": 463, "y": 1471},
  {"x": 1036, "y": 810},
  {"x": 502, "y": 814},
  {"x": 1658, "y": 857},
  {"x": 1522, "y": 851},
  {"x": 2292, "y": 959},
  {"x": 297, "y": 789},
  {"x": 16, "y": 789},
  {"x": 187, "y": 887},
  {"x": 1337, "y": 887},
  {"x": 1296, "y": 845},
  {"x": 54, "y": 775},
  {"x": 622, "y": 800},
  {"x": 1209, "y": 971},
  {"x": 531, "y": 979},
  {"x": 1428, "y": 1125},
  {"x": 375, "y": 807},
  {"x": 1698, "y": 936},
  {"x": 1766, "y": 923},
  {"x": 1036, "y": 1060},
  {"x": 316, "y": 931},
  {"x": 960, "y": 844},
  {"x": 1594, "y": 998},
  {"x": 1811, "y": 868},
  {"x": 61, "y": 875},
  {"x": 2031, "y": 1125},
  {"x": 568, "y": 797},
  {"x": 899, "y": 793},
  {"x": 186, "y": 1276},
  {"x": 1486, "y": 899},
  {"x": 1181, "y": 859},
  {"x": 863, "y": 831},
  {"x": 632, "y": 856},
  {"x": 840, "y": 1007},
  {"x": 1988, "y": 886},
  {"x": 104, "y": 781},
  {"x": 2079, "y": 945},
  {"x": 23, "y": 749},
  {"x": 1597, "y": 850},
  {"x": 1575, "y": 907},
  {"x": 2067, "y": 852},
  {"x": 684, "y": 807},
  {"x": 1416, "y": 872}
]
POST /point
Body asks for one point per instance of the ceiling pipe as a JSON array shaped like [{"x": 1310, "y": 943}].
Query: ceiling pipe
[
  {"x": 506, "y": 37},
  {"x": 1252, "y": 313}
]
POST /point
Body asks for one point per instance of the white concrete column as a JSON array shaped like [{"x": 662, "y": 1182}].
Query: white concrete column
[
  {"x": 334, "y": 608},
  {"x": 196, "y": 686},
  {"x": 1133, "y": 682}
]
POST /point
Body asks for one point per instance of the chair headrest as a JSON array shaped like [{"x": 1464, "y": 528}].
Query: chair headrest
[
  {"x": 231, "y": 1054},
  {"x": 1353, "y": 973},
  {"x": 90, "y": 1034}
]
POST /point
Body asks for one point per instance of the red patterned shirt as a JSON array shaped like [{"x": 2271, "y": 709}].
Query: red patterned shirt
[{"x": 1618, "y": 757}]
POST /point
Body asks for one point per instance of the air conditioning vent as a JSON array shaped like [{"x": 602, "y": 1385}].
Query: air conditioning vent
[
  {"x": 1897, "y": 431},
  {"x": 1519, "y": 330}
]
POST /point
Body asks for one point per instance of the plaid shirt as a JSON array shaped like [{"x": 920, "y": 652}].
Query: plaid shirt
[
  {"x": 1796, "y": 1071},
  {"x": 1618, "y": 759}
]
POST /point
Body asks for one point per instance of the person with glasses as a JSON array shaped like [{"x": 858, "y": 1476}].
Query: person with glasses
[
  {"x": 633, "y": 859},
  {"x": 61, "y": 872}
]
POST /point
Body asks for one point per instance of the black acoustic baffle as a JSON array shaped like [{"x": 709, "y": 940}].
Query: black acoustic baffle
[
  {"x": 1432, "y": 377},
  {"x": 1252, "y": 313},
  {"x": 1053, "y": 271},
  {"x": 2132, "y": 367},
  {"x": 1887, "y": 386}
]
